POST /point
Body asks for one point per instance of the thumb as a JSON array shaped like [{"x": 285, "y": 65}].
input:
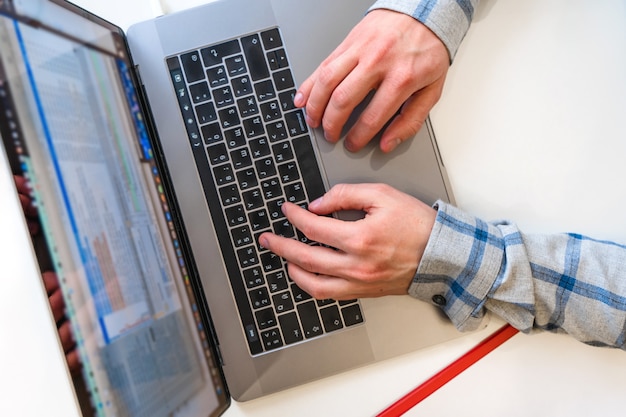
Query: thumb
[{"x": 347, "y": 197}]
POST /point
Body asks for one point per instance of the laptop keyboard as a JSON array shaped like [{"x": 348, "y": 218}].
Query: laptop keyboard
[{"x": 253, "y": 152}]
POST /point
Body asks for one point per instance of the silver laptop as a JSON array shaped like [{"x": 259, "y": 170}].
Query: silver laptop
[{"x": 156, "y": 167}]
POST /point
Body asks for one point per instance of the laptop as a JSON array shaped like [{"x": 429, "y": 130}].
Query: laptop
[{"x": 156, "y": 159}]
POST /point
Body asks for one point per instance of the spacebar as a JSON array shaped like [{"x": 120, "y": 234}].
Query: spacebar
[{"x": 309, "y": 168}]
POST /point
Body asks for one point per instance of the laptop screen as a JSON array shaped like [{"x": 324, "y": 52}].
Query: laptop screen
[{"x": 72, "y": 124}]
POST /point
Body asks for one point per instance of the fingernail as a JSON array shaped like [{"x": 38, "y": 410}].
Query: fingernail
[
  {"x": 393, "y": 144},
  {"x": 315, "y": 203},
  {"x": 264, "y": 243},
  {"x": 298, "y": 99}
]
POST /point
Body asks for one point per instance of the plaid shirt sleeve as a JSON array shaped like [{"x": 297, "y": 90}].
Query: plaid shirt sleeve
[
  {"x": 448, "y": 19},
  {"x": 561, "y": 283}
]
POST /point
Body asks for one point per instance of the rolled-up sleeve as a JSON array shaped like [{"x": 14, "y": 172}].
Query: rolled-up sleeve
[
  {"x": 448, "y": 19},
  {"x": 562, "y": 283}
]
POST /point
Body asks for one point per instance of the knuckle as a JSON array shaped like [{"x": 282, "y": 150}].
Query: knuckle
[
  {"x": 326, "y": 74},
  {"x": 341, "y": 98},
  {"x": 370, "y": 120},
  {"x": 319, "y": 293}
]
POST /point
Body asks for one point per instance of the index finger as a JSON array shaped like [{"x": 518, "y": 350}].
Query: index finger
[{"x": 322, "y": 229}]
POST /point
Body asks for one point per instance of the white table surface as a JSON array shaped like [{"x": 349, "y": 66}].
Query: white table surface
[{"x": 530, "y": 127}]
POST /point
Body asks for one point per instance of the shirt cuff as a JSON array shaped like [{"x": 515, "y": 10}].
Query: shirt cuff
[
  {"x": 448, "y": 19},
  {"x": 460, "y": 266}
]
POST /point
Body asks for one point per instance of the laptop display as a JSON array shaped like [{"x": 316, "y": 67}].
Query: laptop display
[{"x": 72, "y": 123}]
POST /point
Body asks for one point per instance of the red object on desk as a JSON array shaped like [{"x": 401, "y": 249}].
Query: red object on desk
[{"x": 444, "y": 376}]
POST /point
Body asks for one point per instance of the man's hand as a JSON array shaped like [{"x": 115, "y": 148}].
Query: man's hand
[
  {"x": 391, "y": 53},
  {"x": 30, "y": 211},
  {"x": 55, "y": 297},
  {"x": 50, "y": 280},
  {"x": 374, "y": 256}
]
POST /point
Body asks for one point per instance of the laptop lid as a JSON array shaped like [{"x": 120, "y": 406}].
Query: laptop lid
[{"x": 72, "y": 123}]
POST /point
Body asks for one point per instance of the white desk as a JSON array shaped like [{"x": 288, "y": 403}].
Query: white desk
[{"x": 530, "y": 128}]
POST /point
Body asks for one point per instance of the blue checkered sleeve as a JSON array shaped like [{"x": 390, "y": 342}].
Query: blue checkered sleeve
[
  {"x": 562, "y": 283},
  {"x": 448, "y": 19}
]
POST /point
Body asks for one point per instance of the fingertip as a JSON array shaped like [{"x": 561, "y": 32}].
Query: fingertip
[
  {"x": 315, "y": 205},
  {"x": 353, "y": 145},
  {"x": 299, "y": 100},
  {"x": 264, "y": 241},
  {"x": 309, "y": 121},
  {"x": 390, "y": 145}
]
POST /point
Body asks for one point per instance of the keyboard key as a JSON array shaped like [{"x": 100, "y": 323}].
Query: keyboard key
[
  {"x": 259, "y": 147},
  {"x": 253, "y": 277},
  {"x": 217, "y": 153},
  {"x": 289, "y": 172},
  {"x": 230, "y": 195},
  {"x": 283, "y": 79},
  {"x": 277, "y": 59},
  {"x": 277, "y": 131},
  {"x": 213, "y": 55},
  {"x": 217, "y": 76},
  {"x": 235, "y": 215},
  {"x": 325, "y": 302},
  {"x": 270, "y": 111},
  {"x": 311, "y": 324},
  {"x": 308, "y": 167},
  {"x": 223, "y": 174},
  {"x": 206, "y": 113},
  {"x": 271, "y": 189},
  {"x": 259, "y": 220},
  {"x": 265, "y": 318},
  {"x": 300, "y": 295},
  {"x": 253, "y": 127},
  {"x": 271, "y": 39},
  {"x": 282, "y": 302},
  {"x": 223, "y": 96},
  {"x": 255, "y": 57},
  {"x": 241, "y": 236},
  {"x": 265, "y": 168},
  {"x": 240, "y": 158},
  {"x": 234, "y": 137},
  {"x": 352, "y": 315},
  {"x": 271, "y": 339},
  {"x": 229, "y": 117},
  {"x": 282, "y": 152},
  {"x": 286, "y": 100},
  {"x": 235, "y": 66},
  {"x": 200, "y": 92},
  {"x": 247, "y": 178},
  {"x": 277, "y": 281},
  {"x": 331, "y": 318},
  {"x": 265, "y": 90},
  {"x": 253, "y": 199},
  {"x": 294, "y": 193},
  {"x": 274, "y": 210},
  {"x": 271, "y": 262},
  {"x": 283, "y": 228},
  {"x": 290, "y": 327},
  {"x": 247, "y": 257},
  {"x": 247, "y": 106},
  {"x": 194, "y": 71},
  {"x": 296, "y": 124},
  {"x": 242, "y": 86},
  {"x": 211, "y": 133}
]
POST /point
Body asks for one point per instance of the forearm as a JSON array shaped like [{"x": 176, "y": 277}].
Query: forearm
[
  {"x": 557, "y": 282},
  {"x": 448, "y": 19}
]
